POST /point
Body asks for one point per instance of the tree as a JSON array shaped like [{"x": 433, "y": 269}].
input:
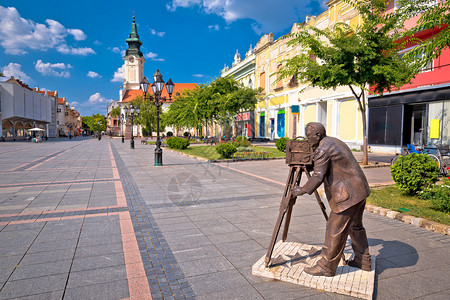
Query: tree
[
  {"x": 432, "y": 16},
  {"x": 354, "y": 57},
  {"x": 218, "y": 102},
  {"x": 147, "y": 114},
  {"x": 96, "y": 123},
  {"x": 115, "y": 112}
]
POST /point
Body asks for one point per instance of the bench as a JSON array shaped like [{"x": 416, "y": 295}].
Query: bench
[
  {"x": 144, "y": 141},
  {"x": 211, "y": 140}
]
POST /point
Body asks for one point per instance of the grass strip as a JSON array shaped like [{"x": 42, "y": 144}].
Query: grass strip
[
  {"x": 394, "y": 199},
  {"x": 210, "y": 153}
]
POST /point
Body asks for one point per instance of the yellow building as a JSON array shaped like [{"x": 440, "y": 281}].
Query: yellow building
[{"x": 287, "y": 106}]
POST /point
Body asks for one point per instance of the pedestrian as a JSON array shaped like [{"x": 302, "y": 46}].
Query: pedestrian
[{"x": 346, "y": 189}]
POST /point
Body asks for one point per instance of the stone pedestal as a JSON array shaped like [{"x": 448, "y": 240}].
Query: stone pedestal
[{"x": 289, "y": 259}]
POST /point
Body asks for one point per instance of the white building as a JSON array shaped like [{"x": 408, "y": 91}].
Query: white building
[{"x": 22, "y": 108}]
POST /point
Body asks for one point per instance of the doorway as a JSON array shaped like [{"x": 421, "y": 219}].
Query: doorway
[{"x": 418, "y": 127}]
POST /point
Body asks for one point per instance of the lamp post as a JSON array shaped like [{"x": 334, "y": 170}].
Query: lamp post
[
  {"x": 157, "y": 88},
  {"x": 122, "y": 119},
  {"x": 134, "y": 113}
]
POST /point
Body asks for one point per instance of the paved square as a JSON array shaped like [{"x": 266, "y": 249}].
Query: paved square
[{"x": 289, "y": 259}]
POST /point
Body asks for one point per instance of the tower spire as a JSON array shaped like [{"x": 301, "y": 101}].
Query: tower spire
[{"x": 134, "y": 43}]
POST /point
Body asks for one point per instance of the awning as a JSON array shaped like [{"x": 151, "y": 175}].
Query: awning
[{"x": 411, "y": 96}]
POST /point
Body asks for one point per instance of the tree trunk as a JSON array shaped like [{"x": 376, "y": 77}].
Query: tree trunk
[{"x": 362, "y": 108}]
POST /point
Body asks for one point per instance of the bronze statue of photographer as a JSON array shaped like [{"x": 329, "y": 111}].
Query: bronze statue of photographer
[{"x": 346, "y": 189}]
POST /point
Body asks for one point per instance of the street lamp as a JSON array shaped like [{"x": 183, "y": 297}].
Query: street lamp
[
  {"x": 122, "y": 119},
  {"x": 134, "y": 113},
  {"x": 157, "y": 88}
]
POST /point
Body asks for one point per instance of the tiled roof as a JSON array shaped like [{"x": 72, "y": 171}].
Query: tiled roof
[{"x": 179, "y": 87}]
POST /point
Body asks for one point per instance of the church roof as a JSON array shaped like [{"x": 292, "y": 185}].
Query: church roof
[{"x": 179, "y": 87}]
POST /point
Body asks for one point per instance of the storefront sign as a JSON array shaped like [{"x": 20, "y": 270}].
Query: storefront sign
[{"x": 434, "y": 128}]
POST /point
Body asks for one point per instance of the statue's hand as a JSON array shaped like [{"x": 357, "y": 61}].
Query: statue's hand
[{"x": 297, "y": 191}]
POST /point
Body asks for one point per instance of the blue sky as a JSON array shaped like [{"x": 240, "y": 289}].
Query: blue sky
[{"x": 76, "y": 47}]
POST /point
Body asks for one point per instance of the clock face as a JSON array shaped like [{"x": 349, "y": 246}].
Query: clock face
[{"x": 132, "y": 59}]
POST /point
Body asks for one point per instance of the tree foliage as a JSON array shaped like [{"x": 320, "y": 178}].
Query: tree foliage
[
  {"x": 96, "y": 123},
  {"x": 147, "y": 114},
  {"x": 216, "y": 102},
  {"x": 356, "y": 57},
  {"x": 431, "y": 16}
]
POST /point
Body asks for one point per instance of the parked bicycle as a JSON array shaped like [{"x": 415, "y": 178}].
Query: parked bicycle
[{"x": 440, "y": 155}]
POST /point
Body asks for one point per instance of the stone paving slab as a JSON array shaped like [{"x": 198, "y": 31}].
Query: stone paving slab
[{"x": 289, "y": 260}]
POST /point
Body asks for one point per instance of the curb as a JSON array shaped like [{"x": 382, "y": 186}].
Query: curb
[{"x": 430, "y": 225}]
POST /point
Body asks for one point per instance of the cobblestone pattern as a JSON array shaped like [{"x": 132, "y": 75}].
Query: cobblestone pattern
[
  {"x": 290, "y": 259},
  {"x": 165, "y": 277}
]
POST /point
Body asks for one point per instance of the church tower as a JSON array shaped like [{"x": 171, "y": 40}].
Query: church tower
[{"x": 134, "y": 60}]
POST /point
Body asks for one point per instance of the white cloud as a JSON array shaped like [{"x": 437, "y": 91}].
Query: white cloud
[
  {"x": 214, "y": 27},
  {"x": 58, "y": 69},
  {"x": 198, "y": 75},
  {"x": 153, "y": 56},
  {"x": 17, "y": 35},
  {"x": 119, "y": 74},
  {"x": 115, "y": 49},
  {"x": 14, "y": 69},
  {"x": 98, "y": 43},
  {"x": 93, "y": 74},
  {"x": 154, "y": 32},
  {"x": 77, "y": 34},
  {"x": 96, "y": 99},
  {"x": 64, "y": 49},
  {"x": 267, "y": 15}
]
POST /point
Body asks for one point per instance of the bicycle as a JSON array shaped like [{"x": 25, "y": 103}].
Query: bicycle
[{"x": 439, "y": 155}]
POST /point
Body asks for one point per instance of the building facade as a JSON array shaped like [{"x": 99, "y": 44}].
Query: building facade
[
  {"x": 22, "y": 108},
  {"x": 243, "y": 71},
  {"x": 419, "y": 112}
]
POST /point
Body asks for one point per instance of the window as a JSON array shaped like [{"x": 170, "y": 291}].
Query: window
[
  {"x": 262, "y": 81},
  {"x": 279, "y": 82},
  {"x": 426, "y": 68}
]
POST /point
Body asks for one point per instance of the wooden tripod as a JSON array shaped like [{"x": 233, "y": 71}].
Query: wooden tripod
[{"x": 287, "y": 203}]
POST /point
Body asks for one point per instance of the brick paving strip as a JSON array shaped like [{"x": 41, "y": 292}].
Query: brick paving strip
[{"x": 164, "y": 275}]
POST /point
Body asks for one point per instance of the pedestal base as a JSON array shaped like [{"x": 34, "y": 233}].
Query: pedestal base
[{"x": 289, "y": 259}]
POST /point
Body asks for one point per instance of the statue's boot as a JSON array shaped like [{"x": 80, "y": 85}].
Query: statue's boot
[
  {"x": 364, "y": 263},
  {"x": 318, "y": 271}
]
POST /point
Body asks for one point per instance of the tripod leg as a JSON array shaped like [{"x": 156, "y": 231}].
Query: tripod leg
[
  {"x": 283, "y": 209},
  {"x": 296, "y": 182}
]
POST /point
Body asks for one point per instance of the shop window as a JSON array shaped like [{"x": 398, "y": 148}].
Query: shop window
[
  {"x": 281, "y": 122},
  {"x": 385, "y": 125},
  {"x": 262, "y": 125}
]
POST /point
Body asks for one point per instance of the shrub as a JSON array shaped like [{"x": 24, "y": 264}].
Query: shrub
[
  {"x": 186, "y": 134},
  {"x": 281, "y": 143},
  {"x": 201, "y": 137},
  {"x": 414, "y": 172},
  {"x": 226, "y": 150},
  {"x": 242, "y": 142},
  {"x": 169, "y": 133},
  {"x": 439, "y": 195},
  {"x": 177, "y": 143},
  {"x": 245, "y": 149}
]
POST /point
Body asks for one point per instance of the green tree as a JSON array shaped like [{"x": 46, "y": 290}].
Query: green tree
[
  {"x": 147, "y": 114},
  {"x": 226, "y": 97},
  {"x": 188, "y": 110},
  {"x": 432, "y": 16},
  {"x": 354, "y": 57},
  {"x": 116, "y": 113},
  {"x": 96, "y": 123}
]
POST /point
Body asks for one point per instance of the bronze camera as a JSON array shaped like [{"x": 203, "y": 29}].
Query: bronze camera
[{"x": 299, "y": 153}]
